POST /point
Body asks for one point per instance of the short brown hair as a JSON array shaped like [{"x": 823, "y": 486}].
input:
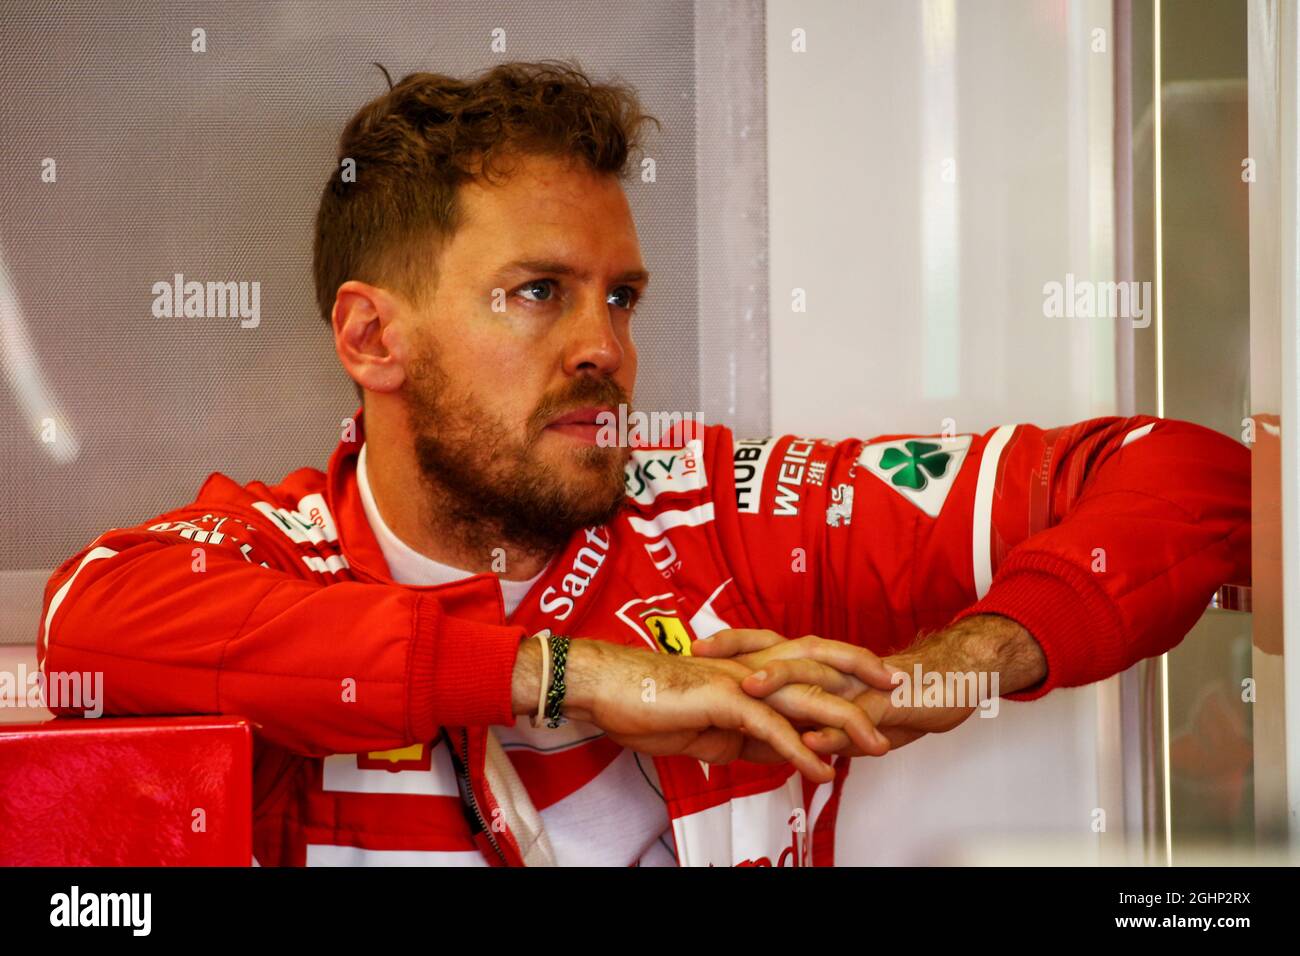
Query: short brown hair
[{"x": 414, "y": 145}]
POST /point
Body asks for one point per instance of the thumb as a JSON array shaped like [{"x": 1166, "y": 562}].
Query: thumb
[
  {"x": 879, "y": 709},
  {"x": 899, "y": 736}
]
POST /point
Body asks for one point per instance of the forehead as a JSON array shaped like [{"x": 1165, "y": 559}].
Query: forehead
[{"x": 549, "y": 205}]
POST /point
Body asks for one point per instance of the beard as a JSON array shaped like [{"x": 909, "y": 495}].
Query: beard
[{"x": 488, "y": 488}]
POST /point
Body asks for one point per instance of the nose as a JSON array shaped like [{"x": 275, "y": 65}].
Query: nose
[{"x": 593, "y": 345}]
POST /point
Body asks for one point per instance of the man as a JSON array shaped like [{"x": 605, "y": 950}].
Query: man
[{"x": 475, "y": 558}]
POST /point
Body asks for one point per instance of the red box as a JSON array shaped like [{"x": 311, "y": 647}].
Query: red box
[{"x": 132, "y": 791}]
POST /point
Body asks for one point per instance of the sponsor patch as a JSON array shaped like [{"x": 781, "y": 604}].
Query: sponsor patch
[
  {"x": 750, "y": 464},
  {"x": 414, "y": 757},
  {"x": 840, "y": 511},
  {"x": 655, "y": 620},
  {"x": 790, "y": 477},
  {"x": 583, "y": 569},
  {"x": 669, "y": 633},
  {"x": 315, "y": 510},
  {"x": 423, "y": 769},
  {"x": 295, "y": 526},
  {"x": 922, "y": 470},
  {"x": 653, "y": 472}
]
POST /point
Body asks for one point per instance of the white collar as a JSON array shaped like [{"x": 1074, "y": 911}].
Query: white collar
[{"x": 408, "y": 566}]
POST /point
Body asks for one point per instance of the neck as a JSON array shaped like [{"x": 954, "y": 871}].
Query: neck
[{"x": 428, "y": 518}]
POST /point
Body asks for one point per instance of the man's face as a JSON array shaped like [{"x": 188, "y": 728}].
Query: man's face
[{"x": 525, "y": 340}]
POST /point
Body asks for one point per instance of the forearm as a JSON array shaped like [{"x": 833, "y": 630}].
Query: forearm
[
  {"x": 581, "y": 677},
  {"x": 983, "y": 643}
]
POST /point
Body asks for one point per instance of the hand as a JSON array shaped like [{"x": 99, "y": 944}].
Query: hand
[
  {"x": 663, "y": 704},
  {"x": 981, "y": 643},
  {"x": 844, "y": 670},
  {"x": 783, "y": 660},
  {"x": 777, "y": 660},
  {"x": 1001, "y": 653},
  {"x": 899, "y": 723}
]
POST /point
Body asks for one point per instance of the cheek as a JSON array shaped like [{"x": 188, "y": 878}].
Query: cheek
[
  {"x": 628, "y": 371},
  {"x": 511, "y": 381},
  {"x": 481, "y": 368},
  {"x": 500, "y": 362},
  {"x": 503, "y": 383}
]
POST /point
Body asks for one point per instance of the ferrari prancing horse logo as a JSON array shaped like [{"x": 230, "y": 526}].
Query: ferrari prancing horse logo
[
  {"x": 669, "y": 633},
  {"x": 656, "y": 621}
]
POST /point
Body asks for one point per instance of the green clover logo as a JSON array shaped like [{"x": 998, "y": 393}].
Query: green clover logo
[{"x": 921, "y": 457}]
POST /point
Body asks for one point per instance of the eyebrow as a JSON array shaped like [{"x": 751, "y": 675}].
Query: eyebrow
[{"x": 562, "y": 269}]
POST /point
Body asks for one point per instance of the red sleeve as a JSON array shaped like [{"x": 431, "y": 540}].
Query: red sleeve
[
  {"x": 1105, "y": 539},
  {"x": 204, "y": 611}
]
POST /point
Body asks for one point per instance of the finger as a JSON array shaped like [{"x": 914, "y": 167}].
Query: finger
[
  {"x": 831, "y": 740},
  {"x": 735, "y": 640},
  {"x": 901, "y": 736},
  {"x": 759, "y": 751},
  {"x": 846, "y": 658},
  {"x": 716, "y": 745},
  {"x": 880, "y": 710},
  {"x": 656, "y": 744},
  {"x": 761, "y": 722},
  {"x": 809, "y": 704},
  {"x": 777, "y": 674}
]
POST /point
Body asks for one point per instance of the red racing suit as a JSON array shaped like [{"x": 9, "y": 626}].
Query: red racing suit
[{"x": 371, "y": 701}]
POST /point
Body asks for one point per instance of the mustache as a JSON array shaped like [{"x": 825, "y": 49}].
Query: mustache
[{"x": 585, "y": 391}]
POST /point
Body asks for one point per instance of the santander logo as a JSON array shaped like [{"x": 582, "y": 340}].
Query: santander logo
[
  {"x": 790, "y": 856},
  {"x": 586, "y": 563}
]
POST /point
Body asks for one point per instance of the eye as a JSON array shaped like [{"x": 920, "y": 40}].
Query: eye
[
  {"x": 624, "y": 297},
  {"x": 540, "y": 290}
]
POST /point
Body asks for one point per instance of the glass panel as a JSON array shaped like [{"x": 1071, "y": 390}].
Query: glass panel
[{"x": 1193, "y": 175}]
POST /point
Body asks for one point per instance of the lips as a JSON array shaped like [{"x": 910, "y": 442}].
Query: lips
[
  {"x": 580, "y": 424},
  {"x": 582, "y": 416}
]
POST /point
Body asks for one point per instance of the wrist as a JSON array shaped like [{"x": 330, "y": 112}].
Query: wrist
[
  {"x": 981, "y": 643},
  {"x": 525, "y": 683},
  {"x": 992, "y": 643},
  {"x": 582, "y": 678}
]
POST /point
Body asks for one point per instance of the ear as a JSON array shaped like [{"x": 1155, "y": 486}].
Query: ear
[{"x": 368, "y": 335}]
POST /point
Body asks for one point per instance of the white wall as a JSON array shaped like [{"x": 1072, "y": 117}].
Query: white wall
[{"x": 924, "y": 302}]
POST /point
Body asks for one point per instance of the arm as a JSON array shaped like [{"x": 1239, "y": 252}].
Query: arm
[
  {"x": 662, "y": 704},
  {"x": 1144, "y": 519},
  {"x": 980, "y": 643},
  {"x": 206, "y": 610},
  {"x": 1103, "y": 541},
  {"x": 230, "y": 625}
]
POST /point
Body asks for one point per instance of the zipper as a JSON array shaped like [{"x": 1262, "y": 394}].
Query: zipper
[{"x": 463, "y": 769}]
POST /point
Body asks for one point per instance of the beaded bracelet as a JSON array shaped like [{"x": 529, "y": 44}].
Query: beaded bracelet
[{"x": 555, "y": 696}]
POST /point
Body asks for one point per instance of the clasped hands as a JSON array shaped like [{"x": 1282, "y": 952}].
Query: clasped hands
[{"x": 758, "y": 696}]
